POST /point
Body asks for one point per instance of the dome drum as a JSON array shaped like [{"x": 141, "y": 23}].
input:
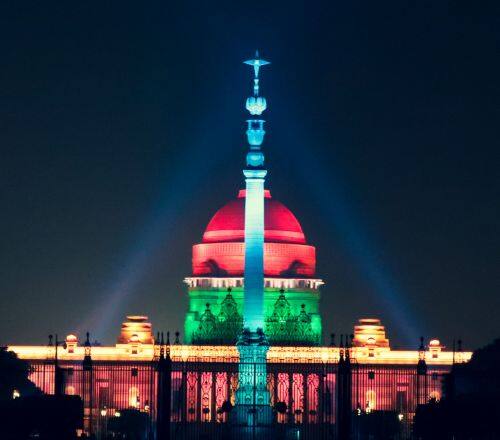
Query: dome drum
[{"x": 280, "y": 260}]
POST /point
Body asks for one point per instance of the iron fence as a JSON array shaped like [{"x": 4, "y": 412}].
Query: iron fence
[{"x": 195, "y": 400}]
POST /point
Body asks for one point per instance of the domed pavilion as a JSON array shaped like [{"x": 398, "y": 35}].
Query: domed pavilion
[{"x": 291, "y": 290}]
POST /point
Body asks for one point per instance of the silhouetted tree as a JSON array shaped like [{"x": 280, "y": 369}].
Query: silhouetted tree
[
  {"x": 32, "y": 414},
  {"x": 45, "y": 417},
  {"x": 14, "y": 374},
  {"x": 470, "y": 408}
]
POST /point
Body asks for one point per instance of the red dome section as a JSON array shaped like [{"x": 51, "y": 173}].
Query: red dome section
[
  {"x": 228, "y": 223},
  {"x": 222, "y": 250}
]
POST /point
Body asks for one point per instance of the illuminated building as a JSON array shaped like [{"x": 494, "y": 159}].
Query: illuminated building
[
  {"x": 289, "y": 279},
  {"x": 253, "y": 270}
]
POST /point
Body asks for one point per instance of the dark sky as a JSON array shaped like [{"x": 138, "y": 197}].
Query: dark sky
[{"x": 122, "y": 131}]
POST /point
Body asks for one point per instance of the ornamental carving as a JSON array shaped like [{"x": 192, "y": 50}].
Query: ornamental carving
[{"x": 282, "y": 326}]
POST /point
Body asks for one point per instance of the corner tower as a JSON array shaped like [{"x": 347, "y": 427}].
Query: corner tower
[{"x": 267, "y": 273}]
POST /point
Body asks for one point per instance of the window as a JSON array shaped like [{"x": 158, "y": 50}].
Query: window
[
  {"x": 371, "y": 400},
  {"x": 401, "y": 401},
  {"x": 103, "y": 397},
  {"x": 134, "y": 372},
  {"x": 133, "y": 397},
  {"x": 371, "y": 375}
]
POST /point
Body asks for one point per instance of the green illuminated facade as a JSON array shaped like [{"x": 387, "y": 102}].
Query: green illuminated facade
[{"x": 291, "y": 317}]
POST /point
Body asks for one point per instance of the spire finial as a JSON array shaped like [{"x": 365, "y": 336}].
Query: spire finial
[
  {"x": 257, "y": 63},
  {"x": 256, "y": 105}
]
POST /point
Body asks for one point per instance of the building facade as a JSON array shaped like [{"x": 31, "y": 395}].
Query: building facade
[
  {"x": 305, "y": 382},
  {"x": 252, "y": 270}
]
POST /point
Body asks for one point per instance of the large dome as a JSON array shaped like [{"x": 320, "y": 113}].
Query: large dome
[
  {"x": 286, "y": 253},
  {"x": 228, "y": 223}
]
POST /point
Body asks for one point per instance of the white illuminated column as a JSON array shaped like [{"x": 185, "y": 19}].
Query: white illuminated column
[
  {"x": 252, "y": 396},
  {"x": 255, "y": 174},
  {"x": 254, "y": 250}
]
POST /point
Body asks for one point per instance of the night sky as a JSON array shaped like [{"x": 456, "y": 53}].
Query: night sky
[{"x": 122, "y": 132}]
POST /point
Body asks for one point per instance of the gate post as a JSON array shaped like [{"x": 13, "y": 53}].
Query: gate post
[
  {"x": 87, "y": 384},
  {"x": 164, "y": 391},
  {"x": 421, "y": 375},
  {"x": 58, "y": 372},
  {"x": 344, "y": 393}
]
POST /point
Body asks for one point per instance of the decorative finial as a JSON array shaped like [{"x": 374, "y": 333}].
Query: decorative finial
[
  {"x": 255, "y": 127},
  {"x": 257, "y": 63},
  {"x": 167, "y": 346},
  {"x": 87, "y": 358},
  {"x": 162, "y": 348},
  {"x": 256, "y": 104},
  {"x": 332, "y": 340}
]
